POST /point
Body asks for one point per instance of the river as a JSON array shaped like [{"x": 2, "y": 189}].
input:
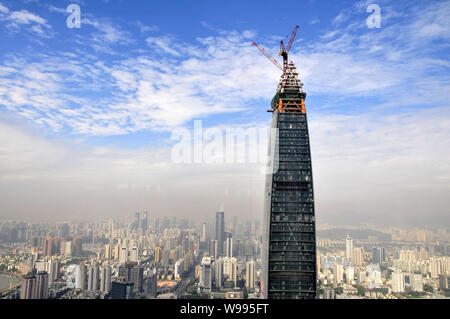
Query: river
[{"x": 4, "y": 280}]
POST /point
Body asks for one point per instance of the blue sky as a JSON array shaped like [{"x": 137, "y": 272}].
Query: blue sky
[{"x": 85, "y": 103}]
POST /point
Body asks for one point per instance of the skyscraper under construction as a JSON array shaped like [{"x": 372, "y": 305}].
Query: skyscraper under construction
[{"x": 289, "y": 247}]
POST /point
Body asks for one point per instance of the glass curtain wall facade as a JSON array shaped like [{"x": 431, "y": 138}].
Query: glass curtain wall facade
[{"x": 289, "y": 243}]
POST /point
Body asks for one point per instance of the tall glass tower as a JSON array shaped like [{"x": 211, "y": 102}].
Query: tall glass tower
[
  {"x": 289, "y": 245},
  {"x": 220, "y": 232}
]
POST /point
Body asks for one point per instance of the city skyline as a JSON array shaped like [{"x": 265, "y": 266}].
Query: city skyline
[{"x": 84, "y": 133}]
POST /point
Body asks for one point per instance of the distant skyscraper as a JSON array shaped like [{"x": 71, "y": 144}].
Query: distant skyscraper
[
  {"x": 398, "y": 282},
  {"x": 357, "y": 256},
  {"x": 349, "y": 275},
  {"x": 378, "y": 255},
  {"x": 218, "y": 273},
  {"x": 144, "y": 222},
  {"x": 105, "y": 283},
  {"x": 157, "y": 226},
  {"x": 108, "y": 252},
  {"x": 77, "y": 246},
  {"x": 416, "y": 282},
  {"x": 93, "y": 278},
  {"x": 220, "y": 231},
  {"x": 250, "y": 276},
  {"x": 205, "y": 279},
  {"x": 28, "y": 287},
  {"x": 73, "y": 277},
  {"x": 64, "y": 230},
  {"x": 289, "y": 247},
  {"x": 53, "y": 270},
  {"x": 214, "y": 248},
  {"x": 66, "y": 248},
  {"x": 134, "y": 273},
  {"x": 234, "y": 230},
  {"x": 137, "y": 221},
  {"x": 123, "y": 255},
  {"x": 51, "y": 246},
  {"x": 229, "y": 246},
  {"x": 41, "y": 285},
  {"x": 81, "y": 279},
  {"x": 157, "y": 254},
  {"x": 151, "y": 286},
  {"x": 203, "y": 234},
  {"x": 134, "y": 254},
  {"x": 348, "y": 248},
  {"x": 338, "y": 273}
]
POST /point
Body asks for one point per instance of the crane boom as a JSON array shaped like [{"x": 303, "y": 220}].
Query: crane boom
[
  {"x": 291, "y": 40},
  {"x": 272, "y": 59}
]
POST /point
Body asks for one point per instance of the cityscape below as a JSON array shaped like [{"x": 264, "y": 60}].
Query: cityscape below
[{"x": 154, "y": 257}]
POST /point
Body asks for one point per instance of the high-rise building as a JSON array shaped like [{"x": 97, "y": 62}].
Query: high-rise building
[
  {"x": 93, "y": 278},
  {"x": 416, "y": 282},
  {"x": 28, "y": 287},
  {"x": 137, "y": 221},
  {"x": 77, "y": 246},
  {"x": 289, "y": 248},
  {"x": 134, "y": 273},
  {"x": 151, "y": 286},
  {"x": 218, "y": 273},
  {"x": 348, "y": 248},
  {"x": 220, "y": 231},
  {"x": 250, "y": 275},
  {"x": 51, "y": 246},
  {"x": 338, "y": 273},
  {"x": 360, "y": 277},
  {"x": 108, "y": 252},
  {"x": 67, "y": 248},
  {"x": 41, "y": 285},
  {"x": 229, "y": 246},
  {"x": 203, "y": 234},
  {"x": 234, "y": 227},
  {"x": 349, "y": 275},
  {"x": 398, "y": 282},
  {"x": 64, "y": 230},
  {"x": 444, "y": 282},
  {"x": 378, "y": 255},
  {"x": 144, "y": 221},
  {"x": 157, "y": 254},
  {"x": 134, "y": 254},
  {"x": 81, "y": 282},
  {"x": 73, "y": 277},
  {"x": 121, "y": 289},
  {"x": 205, "y": 279},
  {"x": 214, "y": 248},
  {"x": 53, "y": 270},
  {"x": 357, "y": 256},
  {"x": 105, "y": 280},
  {"x": 123, "y": 255}
]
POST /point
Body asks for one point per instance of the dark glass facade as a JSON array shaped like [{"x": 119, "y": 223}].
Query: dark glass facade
[{"x": 289, "y": 245}]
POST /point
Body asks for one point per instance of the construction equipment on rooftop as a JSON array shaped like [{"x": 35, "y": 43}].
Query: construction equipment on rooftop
[
  {"x": 284, "y": 51},
  {"x": 290, "y": 96}
]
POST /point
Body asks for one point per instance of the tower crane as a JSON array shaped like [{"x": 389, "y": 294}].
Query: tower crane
[{"x": 284, "y": 51}]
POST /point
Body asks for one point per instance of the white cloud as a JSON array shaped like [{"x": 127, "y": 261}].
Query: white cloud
[
  {"x": 16, "y": 20},
  {"x": 3, "y": 9}
]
